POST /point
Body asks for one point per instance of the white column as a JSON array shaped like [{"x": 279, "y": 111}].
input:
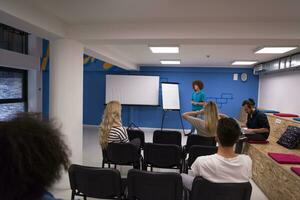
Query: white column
[
  {"x": 66, "y": 95},
  {"x": 35, "y": 75}
]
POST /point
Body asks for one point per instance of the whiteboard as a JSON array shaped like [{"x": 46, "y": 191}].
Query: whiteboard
[
  {"x": 132, "y": 89},
  {"x": 170, "y": 96}
]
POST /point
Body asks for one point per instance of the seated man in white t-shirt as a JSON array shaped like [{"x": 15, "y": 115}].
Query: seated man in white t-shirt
[{"x": 225, "y": 166}]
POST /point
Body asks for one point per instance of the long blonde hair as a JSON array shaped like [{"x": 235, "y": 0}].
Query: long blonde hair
[
  {"x": 211, "y": 116},
  {"x": 111, "y": 116}
]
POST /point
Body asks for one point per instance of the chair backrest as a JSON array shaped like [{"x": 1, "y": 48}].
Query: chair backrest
[
  {"x": 144, "y": 185},
  {"x": 204, "y": 189},
  {"x": 199, "y": 140},
  {"x": 162, "y": 155},
  {"x": 167, "y": 137},
  {"x": 136, "y": 133},
  {"x": 122, "y": 153},
  {"x": 95, "y": 182},
  {"x": 200, "y": 150}
]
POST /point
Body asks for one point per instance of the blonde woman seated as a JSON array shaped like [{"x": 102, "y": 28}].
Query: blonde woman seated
[
  {"x": 111, "y": 129},
  {"x": 206, "y": 125}
]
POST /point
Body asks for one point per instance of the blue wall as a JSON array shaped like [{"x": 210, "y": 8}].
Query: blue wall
[
  {"x": 94, "y": 91},
  {"x": 218, "y": 82},
  {"x": 219, "y": 87}
]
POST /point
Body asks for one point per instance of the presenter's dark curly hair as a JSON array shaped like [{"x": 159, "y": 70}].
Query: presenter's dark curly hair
[
  {"x": 198, "y": 83},
  {"x": 32, "y": 155}
]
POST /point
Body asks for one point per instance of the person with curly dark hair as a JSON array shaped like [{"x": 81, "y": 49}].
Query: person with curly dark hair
[
  {"x": 198, "y": 100},
  {"x": 32, "y": 156}
]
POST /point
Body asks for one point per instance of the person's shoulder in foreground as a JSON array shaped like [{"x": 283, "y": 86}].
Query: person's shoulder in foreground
[
  {"x": 218, "y": 169},
  {"x": 34, "y": 154},
  {"x": 225, "y": 166}
]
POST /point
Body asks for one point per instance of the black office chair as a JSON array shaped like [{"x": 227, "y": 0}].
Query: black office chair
[
  {"x": 124, "y": 154},
  {"x": 144, "y": 185},
  {"x": 136, "y": 133},
  {"x": 206, "y": 190},
  {"x": 96, "y": 182},
  {"x": 167, "y": 137},
  {"x": 197, "y": 140},
  {"x": 196, "y": 151},
  {"x": 105, "y": 158},
  {"x": 162, "y": 156}
]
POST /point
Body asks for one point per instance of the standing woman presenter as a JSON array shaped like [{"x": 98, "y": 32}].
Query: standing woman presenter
[{"x": 198, "y": 99}]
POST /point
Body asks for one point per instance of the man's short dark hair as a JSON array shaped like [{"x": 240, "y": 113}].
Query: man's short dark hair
[
  {"x": 32, "y": 155},
  {"x": 249, "y": 102},
  {"x": 228, "y": 132}
]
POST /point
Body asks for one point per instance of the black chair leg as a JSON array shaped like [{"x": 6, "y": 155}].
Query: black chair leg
[
  {"x": 103, "y": 164},
  {"x": 144, "y": 166},
  {"x": 84, "y": 197},
  {"x": 187, "y": 169},
  {"x": 186, "y": 194},
  {"x": 73, "y": 195},
  {"x": 136, "y": 165},
  {"x": 183, "y": 166}
]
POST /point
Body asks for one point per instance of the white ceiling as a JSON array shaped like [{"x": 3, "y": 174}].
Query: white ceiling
[
  {"x": 120, "y": 31},
  {"x": 120, "y": 11},
  {"x": 190, "y": 55}
]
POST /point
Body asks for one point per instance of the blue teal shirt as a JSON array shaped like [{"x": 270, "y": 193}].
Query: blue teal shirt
[{"x": 198, "y": 97}]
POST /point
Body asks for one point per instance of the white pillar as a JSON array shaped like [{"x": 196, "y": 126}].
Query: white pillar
[
  {"x": 66, "y": 95},
  {"x": 35, "y": 75}
]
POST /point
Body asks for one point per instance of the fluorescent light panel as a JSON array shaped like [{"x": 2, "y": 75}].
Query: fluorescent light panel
[
  {"x": 275, "y": 50},
  {"x": 243, "y": 62},
  {"x": 170, "y": 62},
  {"x": 170, "y": 49}
]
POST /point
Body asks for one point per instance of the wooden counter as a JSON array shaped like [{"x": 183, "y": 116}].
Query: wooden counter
[{"x": 277, "y": 181}]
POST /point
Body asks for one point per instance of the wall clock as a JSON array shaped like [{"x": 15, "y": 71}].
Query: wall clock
[{"x": 244, "y": 77}]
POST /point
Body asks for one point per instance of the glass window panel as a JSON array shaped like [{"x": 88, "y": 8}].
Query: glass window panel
[
  {"x": 8, "y": 110},
  {"x": 11, "y": 84}
]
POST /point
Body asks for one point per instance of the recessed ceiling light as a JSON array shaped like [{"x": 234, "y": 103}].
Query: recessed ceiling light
[
  {"x": 170, "y": 62},
  {"x": 166, "y": 49},
  {"x": 240, "y": 62},
  {"x": 274, "y": 50}
]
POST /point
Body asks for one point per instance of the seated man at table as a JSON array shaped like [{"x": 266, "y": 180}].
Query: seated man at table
[
  {"x": 225, "y": 166},
  {"x": 258, "y": 127}
]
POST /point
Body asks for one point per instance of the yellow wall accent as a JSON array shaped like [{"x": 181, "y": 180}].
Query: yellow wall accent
[
  {"x": 86, "y": 60},
  {"x": 107, "y": 66},
  {"x": 45, "y": 59}
]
